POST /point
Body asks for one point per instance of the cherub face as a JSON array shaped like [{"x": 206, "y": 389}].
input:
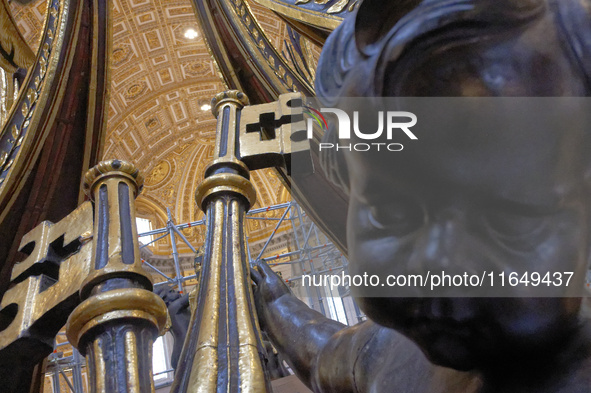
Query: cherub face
[
  {"x": 465, "y": 201},
  {"x": 500, "y": 200}
]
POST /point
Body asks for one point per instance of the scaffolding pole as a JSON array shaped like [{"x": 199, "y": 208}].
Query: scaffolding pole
[{"x": 175, "y": 252}]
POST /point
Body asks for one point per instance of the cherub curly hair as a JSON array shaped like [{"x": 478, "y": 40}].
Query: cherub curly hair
[{"x": 387, "y": 48}]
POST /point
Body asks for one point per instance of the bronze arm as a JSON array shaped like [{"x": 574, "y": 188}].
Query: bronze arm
[
  {"x": 298, "y": 332},
  {"x": 331, "y": 357}
]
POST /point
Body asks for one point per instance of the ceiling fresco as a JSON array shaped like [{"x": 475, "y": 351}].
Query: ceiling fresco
[{"x": 161, "y": 84}]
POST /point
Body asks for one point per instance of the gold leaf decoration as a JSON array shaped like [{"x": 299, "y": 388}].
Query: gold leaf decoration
[
  {"x": 25, "y": 109},
  {"x": 339, "y": 6},
  {"x": 31, "y": 96},
  {"x": 15, "y": 132}
]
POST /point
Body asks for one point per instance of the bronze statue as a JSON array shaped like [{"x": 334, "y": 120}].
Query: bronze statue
[
  {"x": 180, "y": 315},
  {"x": 444, "y": 197}
]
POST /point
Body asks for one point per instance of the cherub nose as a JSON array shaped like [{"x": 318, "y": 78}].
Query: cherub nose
[{"x": 441, "y": 243}]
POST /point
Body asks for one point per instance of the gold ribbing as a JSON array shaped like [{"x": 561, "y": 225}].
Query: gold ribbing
[
  {"x": 99, "y": 362},
  {"x": 131, "y": 362},
  {"x": 205, "y": 363},
  {"x": 150, "y": 345},
  {"x": 250, "y": 367}
]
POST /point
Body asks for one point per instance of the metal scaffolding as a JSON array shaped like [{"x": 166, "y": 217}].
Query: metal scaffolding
[
  {"x": 310, "y": 253},
  {"x": 58, "y": 365}
]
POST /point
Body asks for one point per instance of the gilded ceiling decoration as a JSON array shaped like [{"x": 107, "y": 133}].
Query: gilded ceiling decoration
[
  {"x": 161, "y": 82},
  {"x": 30, "y": 19}
]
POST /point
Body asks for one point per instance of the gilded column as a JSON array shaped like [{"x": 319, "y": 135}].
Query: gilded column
[
  {"x": 119, "y": 317},
  {"x": 223, "y": 351}
]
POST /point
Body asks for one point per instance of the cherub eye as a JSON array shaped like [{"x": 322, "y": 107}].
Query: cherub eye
[
  {"x": 512, "y": 225},
  {"x": 400, "y": 216}
]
